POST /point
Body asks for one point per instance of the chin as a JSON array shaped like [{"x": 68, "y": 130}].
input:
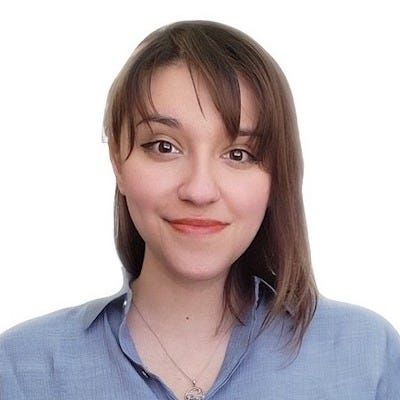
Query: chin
[{"x": 201, "y": 273}]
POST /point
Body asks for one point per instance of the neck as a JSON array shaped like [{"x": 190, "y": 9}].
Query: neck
[
  {"x": 178, "y": 330},
  {"x": 189, "y": 307}
]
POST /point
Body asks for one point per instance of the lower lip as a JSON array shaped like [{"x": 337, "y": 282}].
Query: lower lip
[{"x": 197, "y": 229}]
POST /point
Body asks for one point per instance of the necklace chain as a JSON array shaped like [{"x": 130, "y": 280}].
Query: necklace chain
[{"x": 195, "y": 392}]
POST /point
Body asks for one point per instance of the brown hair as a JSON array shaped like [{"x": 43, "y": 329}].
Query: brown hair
[{"x": 279, "y": 254}]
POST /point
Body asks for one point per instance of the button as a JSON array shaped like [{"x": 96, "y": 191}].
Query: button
[{"x": 145, "y": 374}]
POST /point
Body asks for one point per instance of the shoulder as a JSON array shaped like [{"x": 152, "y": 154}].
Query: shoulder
[
  {"x": 43, "y": 332},
  {"x": 356, "y": 335},
  {"x": 39, "y": 338},
  {"x": 52, "y": 350},
  {"x": 343, "y": 319},
  {"x": 357, "y": 348}
]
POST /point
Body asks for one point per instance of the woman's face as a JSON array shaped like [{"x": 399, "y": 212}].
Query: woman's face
[{"x": 196, "y": 198}]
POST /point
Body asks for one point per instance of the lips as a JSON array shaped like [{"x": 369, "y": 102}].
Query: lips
[{"x": 197, "y": 225}]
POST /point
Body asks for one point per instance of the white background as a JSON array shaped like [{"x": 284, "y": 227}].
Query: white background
[{"x": 58, "y": 60}]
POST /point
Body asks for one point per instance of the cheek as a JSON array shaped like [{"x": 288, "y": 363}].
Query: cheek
[
  {"x": 141, "y": 206},
  {"x": 252, "y": 198},
  {"x": 138, "y": 201},
  {"x": 138, "y": 191},
  {"x": 146, "y": 193}
]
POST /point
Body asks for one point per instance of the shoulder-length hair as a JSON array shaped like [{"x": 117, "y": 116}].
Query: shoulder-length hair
[{"x": 279, "y": 253}]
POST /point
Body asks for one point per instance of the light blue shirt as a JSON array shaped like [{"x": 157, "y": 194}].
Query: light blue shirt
[{"x": 86, "y": 352}]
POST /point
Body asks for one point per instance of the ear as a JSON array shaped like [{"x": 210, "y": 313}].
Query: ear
[{"x": 116, "y": 166}]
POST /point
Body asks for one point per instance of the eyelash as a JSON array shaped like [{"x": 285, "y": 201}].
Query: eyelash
[
  {"x": 151, "y": 146},
  {"x": 229, "y": 155}
]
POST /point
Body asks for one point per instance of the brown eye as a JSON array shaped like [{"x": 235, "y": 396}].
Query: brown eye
[
  {"x": 161, "y": 147},
  {"x": 164, "y": 147},
  {"x": 239, "y": 155},
  {"x": 236, "y": 155}
]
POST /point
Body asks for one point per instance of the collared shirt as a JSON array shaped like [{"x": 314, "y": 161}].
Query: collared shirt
[{"x": 86, "y": 352}]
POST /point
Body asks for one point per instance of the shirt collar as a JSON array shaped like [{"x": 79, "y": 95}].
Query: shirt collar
[{"x": 94, "y": 308}]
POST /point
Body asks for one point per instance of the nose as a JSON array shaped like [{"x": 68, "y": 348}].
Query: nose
[{"x": 199, "y": 184}]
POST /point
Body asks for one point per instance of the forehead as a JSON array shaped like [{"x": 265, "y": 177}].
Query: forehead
[{"x": 177, "y": 90}]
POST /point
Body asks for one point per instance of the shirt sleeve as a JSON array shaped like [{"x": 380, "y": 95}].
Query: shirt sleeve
[
  {"x": 9, "y": 385},
  {"x": 389, "y": 384}
]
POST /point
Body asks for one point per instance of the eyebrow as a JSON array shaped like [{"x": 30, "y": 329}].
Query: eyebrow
[
  {"x": 161, "y": 119},
  {"x": 248, "y": 132},
  {"x": 174, "y": 123}
]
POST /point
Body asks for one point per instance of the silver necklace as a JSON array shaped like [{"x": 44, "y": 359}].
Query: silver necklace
[{"x": 195, "y": 392}]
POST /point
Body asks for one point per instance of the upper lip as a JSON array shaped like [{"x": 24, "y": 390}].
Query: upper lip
[{"x": 197, "y": 221}]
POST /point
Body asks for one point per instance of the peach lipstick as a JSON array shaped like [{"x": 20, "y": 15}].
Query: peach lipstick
[{"x": 197, "y": 225}]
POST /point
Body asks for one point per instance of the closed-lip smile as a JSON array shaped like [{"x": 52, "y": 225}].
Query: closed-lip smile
[{"x": 197, "y": 225}]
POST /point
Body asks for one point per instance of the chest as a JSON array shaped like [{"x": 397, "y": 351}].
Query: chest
[{"x": 188, "y": 368}]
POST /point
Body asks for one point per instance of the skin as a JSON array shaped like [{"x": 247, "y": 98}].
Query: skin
[{"x": 198, "y": 200}]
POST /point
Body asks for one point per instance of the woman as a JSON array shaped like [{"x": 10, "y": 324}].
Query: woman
[{"x": 209, "y": 225}]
